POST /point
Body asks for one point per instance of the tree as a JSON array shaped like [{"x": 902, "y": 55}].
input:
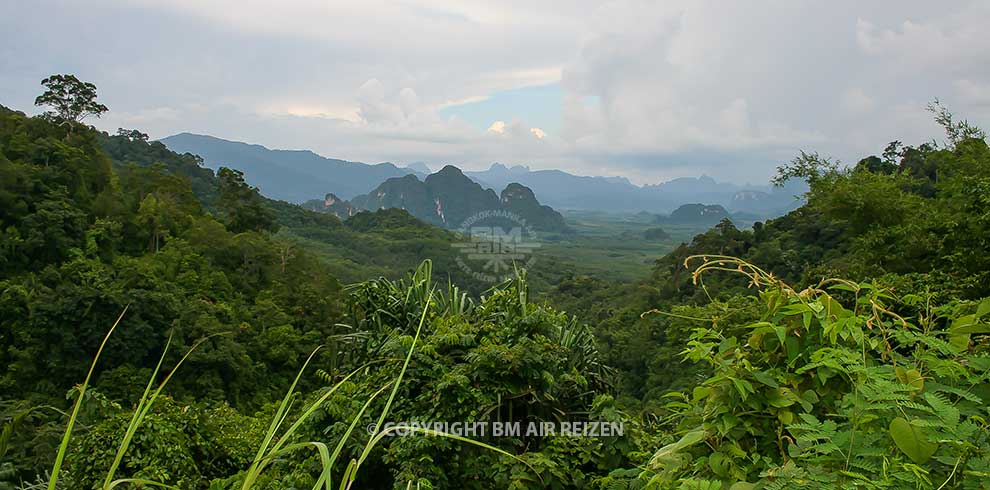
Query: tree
[
  {"x": 132, "y": 134},
  {"x": 70, "y": 100},
  {"x": 893, "y": 152},
  {"x": 242, "y": 204},
  {"x": 150, "y": 215},
  {"x": 955, "y": 132},
  {"x": 875, "y": 165},
  {"x": 808, "y": 166}
]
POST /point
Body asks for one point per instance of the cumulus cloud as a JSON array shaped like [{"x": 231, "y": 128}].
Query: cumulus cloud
[
  {"x": 652, "y": 90},
  {"x": 676, "y": 80},
  {"x": 497, "y": 127}
]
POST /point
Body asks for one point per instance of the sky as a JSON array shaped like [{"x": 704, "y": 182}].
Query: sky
[{"x": 650, "y": 90}]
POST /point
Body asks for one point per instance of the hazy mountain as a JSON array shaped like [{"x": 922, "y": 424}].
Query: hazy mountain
[
  {"x": 420, "y": 168},
  {"x": 706, "y": 215},
  {"x": 562, "y": 190},
  {"x": 699, "y": 214},
  {"x": 290, "y": 175},
  {"x": 301, "y": 175},
  {"x": 448, "y": 198}
]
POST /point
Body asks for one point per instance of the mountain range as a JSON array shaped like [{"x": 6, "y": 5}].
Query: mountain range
[
  {"x": 288, "y": 175},
  {"x": 567, "y": 191},
  {"x": 301, "y": 175}
]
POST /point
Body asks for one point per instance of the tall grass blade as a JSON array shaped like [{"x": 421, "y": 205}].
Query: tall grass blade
[
  {"x": 63, "y": 446},
  {"x": 265, "y": 456},
  {"x": 144, "y": 406},
  {"x": 398, "y": 380},
  {"x": 254, "y": 470},
  {"x": 139, "y": 481},
  {"x": 354, "y": 423},
  {"x": 352, "y": 468}
]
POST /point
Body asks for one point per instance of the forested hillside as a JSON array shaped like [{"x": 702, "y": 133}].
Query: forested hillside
[{"x": 846, "y": 344}]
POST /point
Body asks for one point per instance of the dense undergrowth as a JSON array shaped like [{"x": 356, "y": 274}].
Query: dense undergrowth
[{"x": 830, "y": 387}]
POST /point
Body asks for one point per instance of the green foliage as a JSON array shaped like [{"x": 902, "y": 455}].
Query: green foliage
[
  {"x": 500, "y": 358},
  {"x": 839, "y": 385},
  {"x": 176, "y": 443},
  {"x": 241, "y": 204}
]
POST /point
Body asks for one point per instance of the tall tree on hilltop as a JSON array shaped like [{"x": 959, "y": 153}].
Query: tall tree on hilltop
[{"x": 70, "y": 100}]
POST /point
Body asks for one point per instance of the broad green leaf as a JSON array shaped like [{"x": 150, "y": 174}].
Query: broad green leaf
[
  {"x": 728, "y": 422},
  {"x": 910, "y": 377},
  {"x": 793, "y": 348},
  {"x": 781, "y": 397},
  {"x": 727, "y": 345},
  {"x": 745, "y": 388},
  {"x": 962, "y": 322},
  {"x": 668, "y": 452},
  {"x": 765, "y": 378},
  {"x": 833, "y": 307},
  {"x": 911, "y": 440},
  {"x": 969, "y": 328},
  {"x": 701, "y": 392},
  {"x": 984, "y": 308},
  {"x": 781, "y": 332},
  {"x": 719, "y": 464},
  {"x": 795, "y": 309}
]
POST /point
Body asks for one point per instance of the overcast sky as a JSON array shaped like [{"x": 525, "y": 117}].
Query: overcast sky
[{"x": 649, "y": 90}]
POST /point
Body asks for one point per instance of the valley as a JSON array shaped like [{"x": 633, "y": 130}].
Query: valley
[{"x": 614, "y": 246}]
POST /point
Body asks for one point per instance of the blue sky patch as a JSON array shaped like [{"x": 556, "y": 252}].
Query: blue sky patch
[{"x": 537, "y": 106}]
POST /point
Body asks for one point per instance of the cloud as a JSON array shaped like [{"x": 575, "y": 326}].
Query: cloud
[
  {"x": 676, "y": 80},
  {"x": 971, "y": 92},
  {"x": 940, "y": 41},
  {"x": 497, "y": 127},
  {"x": 652, "y": 90},
  {"x": 856, "y": 102}
]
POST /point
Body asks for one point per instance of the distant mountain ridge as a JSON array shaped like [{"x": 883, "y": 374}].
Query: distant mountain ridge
[
  {"x": 289, "y": 175},
  {"x": 300, "y": 176},
  {"x": 567, "y": 191}
]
